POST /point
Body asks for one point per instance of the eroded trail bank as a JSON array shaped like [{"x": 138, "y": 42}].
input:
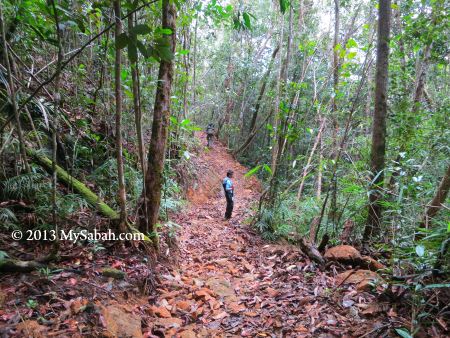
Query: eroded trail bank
[{"x": 230, "y": 282}]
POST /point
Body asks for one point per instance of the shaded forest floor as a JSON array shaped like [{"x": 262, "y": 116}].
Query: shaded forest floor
[{"x": 219, "y": 279}]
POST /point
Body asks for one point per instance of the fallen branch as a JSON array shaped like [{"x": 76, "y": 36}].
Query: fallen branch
[
  {"x": 16, "y": 265},
  {"x": 73, "y": 183}
]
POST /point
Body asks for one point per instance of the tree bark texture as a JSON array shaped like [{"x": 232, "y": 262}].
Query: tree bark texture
[
  {"x": 378, "y": 149},
  {"x": 118, "y": 92},
  {"x": 160, "y": 127}
]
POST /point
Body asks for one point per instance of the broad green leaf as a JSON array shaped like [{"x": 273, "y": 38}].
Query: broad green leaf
[
  {"x": 351, "y": 43},
  {"x": 132, "y": 52},
  {"x": 246, "y": 17},
  {"x": 163, "y": 31},
  {"x": 144, "y": 51},
  {"x": 252, "y": 171},
  {"x": 268, "y": 169},
  {"x": 122, "y": 41},
  {"x": 351, "y": 55},
  {"x": 403, "y": 333},
  {"x": 124, "y": 74},
  {"x": 141, "y": 29},
  {"x": 163, "y": 50},
  {"x": 435, "y": 286}
]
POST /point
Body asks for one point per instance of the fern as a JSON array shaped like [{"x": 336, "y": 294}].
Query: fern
[
  {"x": 7, "y": 217},
  {"x": 24, "y": 186}
]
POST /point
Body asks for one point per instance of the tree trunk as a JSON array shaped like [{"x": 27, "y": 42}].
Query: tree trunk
[
  {"x": 378, "y": 149},
  {"x": 335, "y": 124},
  {"x": 230, "y": 101},
  {"x": 118, "y": 92},
  {"x": 137, "y": 104},
  {"x": 277, "y": 102},
  {"x": 57, "y": 105},
  {"x": 194, "y": 65},
  {"x": 161, "y": 114},
  {"x": 438, "y": 200},
  {"x": 308, "y": 163},
  {"x": 263, "y": 89}
]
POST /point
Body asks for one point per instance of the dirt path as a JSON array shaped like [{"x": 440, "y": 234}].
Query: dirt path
[{"x": 231, "y": 283}]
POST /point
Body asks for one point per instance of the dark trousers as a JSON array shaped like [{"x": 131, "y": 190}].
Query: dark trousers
[
  {"x": 209, "y": 138},
  {"x": 230, "y": 204}
]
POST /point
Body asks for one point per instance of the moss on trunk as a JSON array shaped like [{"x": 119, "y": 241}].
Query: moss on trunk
[{"x": 75, "y": 184}]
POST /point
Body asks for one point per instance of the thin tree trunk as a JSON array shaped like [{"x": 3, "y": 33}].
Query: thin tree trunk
[
  {"x": 277, "y": 102},
  {"x": 186, "y": 67},
  {"x": 194, "y": 65},
  {"x": 137, "y": 104},
  {"x": 118, "y": 92},
  {"x": 439, "y": 199},
  {"x": 284, "y": 76},
  {"x": 12, "y": 91},
  {"x": 252, "y": 135},
  {"x": 161, "y": 114},
  {"x": 265, "y": 79},
  {"x": 378, "y": 150},
  {"x": 319, "y": 172},
  {"x": 308, "y": 163},
  {"x": 56, "y": 110},
  {"x": 230, "y": 101},
  {"x": 335, "y": 124}
]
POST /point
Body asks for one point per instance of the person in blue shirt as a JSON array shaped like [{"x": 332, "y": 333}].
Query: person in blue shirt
[{"x": 228, "y": 187}]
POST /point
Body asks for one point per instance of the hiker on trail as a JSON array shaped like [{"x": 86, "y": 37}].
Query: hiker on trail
[
  {"x": 209, "y": 134},
  {"x": 229, "y": 193}
]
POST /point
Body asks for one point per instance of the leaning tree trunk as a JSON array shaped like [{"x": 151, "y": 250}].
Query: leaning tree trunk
[
  {"x": 436, "y": 204},
  {"x": 378, "y": 150},
  {"x": 118, "y": 92},
  {"x": 161, "y": 114},
  {"x": 253, "y": 126}
]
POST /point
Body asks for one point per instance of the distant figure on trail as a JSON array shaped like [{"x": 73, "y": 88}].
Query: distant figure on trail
[
  {"x": 229, "y": 193},
  {"x": 209, "y": 134}
]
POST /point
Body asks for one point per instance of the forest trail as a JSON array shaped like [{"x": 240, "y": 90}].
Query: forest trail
[{"x": 229, "y": 282}]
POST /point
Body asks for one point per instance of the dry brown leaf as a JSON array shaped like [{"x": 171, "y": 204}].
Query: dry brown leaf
[{"x": 161, "y": 312}]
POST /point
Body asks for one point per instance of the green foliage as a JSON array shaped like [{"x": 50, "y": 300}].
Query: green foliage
[
  {"x": 403, "y": 333},
  {"x": 7, "y": 218},
  {"x": 105, "y": 177},
  {"x": 24, "y": 186},
  {"x": 277, "y": 222},
  {"x": 284, "y": 5},
  {"x": 32, "y": 304}
]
